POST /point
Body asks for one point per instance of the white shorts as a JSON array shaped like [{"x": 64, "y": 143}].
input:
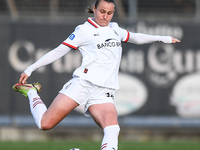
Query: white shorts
[{"x": 86, "y": 93}]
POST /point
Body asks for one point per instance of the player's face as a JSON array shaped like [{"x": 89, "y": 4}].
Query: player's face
[{"x": 104, "y": 13}]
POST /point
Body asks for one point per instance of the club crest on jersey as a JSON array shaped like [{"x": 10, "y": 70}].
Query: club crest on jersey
[
  {"x": 72, "y": 36},
  {"x": 109, "y": 43}
]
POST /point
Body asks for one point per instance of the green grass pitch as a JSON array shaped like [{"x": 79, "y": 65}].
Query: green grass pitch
[{"x": 88, "y": 145}]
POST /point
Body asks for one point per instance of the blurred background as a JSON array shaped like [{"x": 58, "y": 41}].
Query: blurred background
[{"x": 159, "y": 97}]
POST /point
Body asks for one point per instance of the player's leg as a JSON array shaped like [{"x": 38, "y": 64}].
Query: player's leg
[
  {"x": 37, "y": 106},
  {"x": 58, "y": 110},
  {"x": 46, "y": 119},
  {"x": 105, "y": 115}
]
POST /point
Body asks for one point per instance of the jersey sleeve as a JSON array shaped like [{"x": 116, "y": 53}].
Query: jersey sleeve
[
  {"x": 76, "y": 39},
  {"x": 140, "y": 38},
  {"x": 124, "y": 34},
  {"x": 48, "y": 58}
]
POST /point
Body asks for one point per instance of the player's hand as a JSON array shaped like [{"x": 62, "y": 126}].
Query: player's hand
[
  {"x": 174, "y": 40},
  {"x": 23, "y": 78}
]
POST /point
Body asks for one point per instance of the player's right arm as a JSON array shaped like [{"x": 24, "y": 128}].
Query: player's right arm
[
  {"x": 48, "y": 58},
  {"x": 72, "y": 42},
  {"x": 23, "y": 78}
]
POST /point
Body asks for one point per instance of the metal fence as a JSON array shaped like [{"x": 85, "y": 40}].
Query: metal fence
[{"x": 126, "y": 9}]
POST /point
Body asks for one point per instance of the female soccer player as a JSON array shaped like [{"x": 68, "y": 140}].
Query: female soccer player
[{"x": 94, "y": 83}]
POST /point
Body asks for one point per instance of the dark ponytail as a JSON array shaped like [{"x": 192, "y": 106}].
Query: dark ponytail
[{"x": 90, "y": 11}]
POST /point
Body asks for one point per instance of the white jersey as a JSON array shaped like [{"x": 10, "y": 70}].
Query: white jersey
[{"x": 101, "y": 52}]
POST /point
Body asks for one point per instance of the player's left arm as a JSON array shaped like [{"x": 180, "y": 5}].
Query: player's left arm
[
  {"x": 174, "y": 40},
  {"x": 140, "y": 38}
]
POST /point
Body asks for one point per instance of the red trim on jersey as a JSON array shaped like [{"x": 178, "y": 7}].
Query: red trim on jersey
[
  {"x": 127, "y": 37},
  {"x": 92, "y": 23},
  {"x": 69, "y": 45}
]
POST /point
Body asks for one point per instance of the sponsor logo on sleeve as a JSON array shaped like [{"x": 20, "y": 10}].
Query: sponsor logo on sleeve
[{"x": 72, "y": 36}]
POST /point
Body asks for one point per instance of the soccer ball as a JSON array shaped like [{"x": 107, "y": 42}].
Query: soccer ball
[{"x": 75, "y": 149}]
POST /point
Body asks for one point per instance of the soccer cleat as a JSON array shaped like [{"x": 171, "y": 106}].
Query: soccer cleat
[{"x": 26, "y": 87}]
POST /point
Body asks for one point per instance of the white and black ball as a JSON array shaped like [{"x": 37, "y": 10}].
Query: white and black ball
[{"x": 75, "y": 149}]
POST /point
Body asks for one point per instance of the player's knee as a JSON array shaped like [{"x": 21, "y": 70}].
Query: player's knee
[{"x": 46, "y": 126}]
